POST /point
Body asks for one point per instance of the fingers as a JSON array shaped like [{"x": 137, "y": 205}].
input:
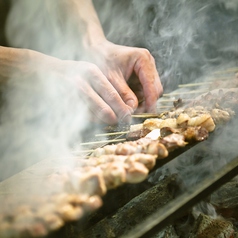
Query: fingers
[
  {"x": 127, "y": 95},
  {"x": 96, "y": 104},
  {"x": 102, "y": 98},
  {"x": 112, "y": 98},
  {"x": 145, "y": 69},
  {"x": 137, "y": 88}
]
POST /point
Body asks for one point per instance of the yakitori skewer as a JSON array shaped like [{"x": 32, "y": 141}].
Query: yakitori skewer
[
  {"x": 144, "y": 115},
  {"x": 169, "y": 100},
  {"x": 193, "y": 84},
  {"x": 102, "y": 142},
  {"x": 182, "y": 93},
  {"x": 111, "y": 133},
  {"x": 82, "y": 151},
  {"x": 164, "y": 107},
  {"x": 230, "y": 70}
]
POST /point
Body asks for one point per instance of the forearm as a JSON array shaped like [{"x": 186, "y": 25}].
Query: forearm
[
  {"x": 84, "y": 18},
  {"x": 22, "y": 62}
]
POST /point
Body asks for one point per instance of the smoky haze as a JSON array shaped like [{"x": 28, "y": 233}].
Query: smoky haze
[
  {"x": 41, "y": 119},
  {"x": 187, "y": 38}
]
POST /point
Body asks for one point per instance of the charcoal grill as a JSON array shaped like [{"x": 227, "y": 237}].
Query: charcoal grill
[{"x": 169, "y": 212}]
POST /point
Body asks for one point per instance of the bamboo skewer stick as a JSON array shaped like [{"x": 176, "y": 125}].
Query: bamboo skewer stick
[
  {"x": 82, "y": 156},
  {"x": 102, "y": 141},
  {"x": 172, "y": 100},
  {"x": 168, "y": 106},
  {"x": 230, "y": 70},
  {"x": 112, "y": 133},
  {"x": 81, "y": 151},
  {"x": 221, "y": 78},
  {"x": 182, "y": 93},
  {"x": 193, "y": 84},
  {"x": 144, "y": 115}
]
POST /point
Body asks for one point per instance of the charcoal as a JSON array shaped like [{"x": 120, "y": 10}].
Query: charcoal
[
  {"x": 134, "y": 212},
  {"x": 208, "y": 227},
  {"x": 225, "y": 200}
]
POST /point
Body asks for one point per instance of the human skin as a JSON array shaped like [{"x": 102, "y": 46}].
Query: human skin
[{"x": 114, "y": 80}]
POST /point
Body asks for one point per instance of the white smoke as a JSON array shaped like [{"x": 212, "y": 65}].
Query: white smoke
[
  {"x": 45, "y": 26},
  {"x": 230, "y": 5},
  {"x": 43, "y": 115},
  {"x": 185, "y": 37},
  {"x": 42, "y": 118}
]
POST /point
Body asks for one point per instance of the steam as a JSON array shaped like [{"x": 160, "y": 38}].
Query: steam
[
  {"x": 43, "y": 115},
  {"x": 41, "y": 119},
  {"x": 202, "y": 162},
  {"x": 187, "y": 39},
  {"x": 44, "y": 26}
]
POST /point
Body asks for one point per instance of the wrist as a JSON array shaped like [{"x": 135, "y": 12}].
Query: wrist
[{"x": 93, "y": 38}]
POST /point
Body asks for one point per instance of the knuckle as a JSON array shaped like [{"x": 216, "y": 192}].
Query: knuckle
[
  {"x": 146, "y": 57},
  {"x": 125, "y": 95},
  {"x": 104, "y": 111},
  {"x": 111, "y": 95},
  {"x": 93, "y": 70},
  {"x": 105, "y": 114},
  {"x": 146, "y": 54},
  {"x": 161, "y": 91}
]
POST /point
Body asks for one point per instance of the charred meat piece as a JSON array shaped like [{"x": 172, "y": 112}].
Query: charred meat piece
[
  {"x": 173, "y": 141},
  {"x": 135, "y": 135},
  {"x": 197, "y": 133},
  {"x": 178, "y": 103}
]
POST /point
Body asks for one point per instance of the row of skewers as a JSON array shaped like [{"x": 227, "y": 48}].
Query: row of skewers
[{"x": 85, "y": 181}]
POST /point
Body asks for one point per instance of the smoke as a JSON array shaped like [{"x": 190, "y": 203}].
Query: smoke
[
  {"x": 45, "y": 26},
  {"x": 41, "y": 118},
  {"x": 43, "y": 115},
  {"x": 187, "y": 38},
  {"x": 202, "y": 162}
]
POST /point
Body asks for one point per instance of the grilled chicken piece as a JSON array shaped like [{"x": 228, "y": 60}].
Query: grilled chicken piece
[
  {"x": 205, "y": 120},
  {"x": 146, "y": 159},
  {"x": 197, "y": 133},
  {"x": 221, "y": 116},
  {"x": 69, "y": 213},
  {"x": 157, "y": 123},
  {"x": 136, "y": 172},
  {"x": 53, "y": 222},
  {"x": 173, "y": 141},
  {"x": 114, "y": 173},
  {"x": 143, "y": 145}
]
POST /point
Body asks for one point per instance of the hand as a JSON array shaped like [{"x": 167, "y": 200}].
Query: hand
[
  {"x": 131, "y": 71},
  {"x": 102, "y": 98}
]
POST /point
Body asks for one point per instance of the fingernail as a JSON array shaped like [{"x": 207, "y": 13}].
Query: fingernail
[{"x": 131, "y": 103}]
